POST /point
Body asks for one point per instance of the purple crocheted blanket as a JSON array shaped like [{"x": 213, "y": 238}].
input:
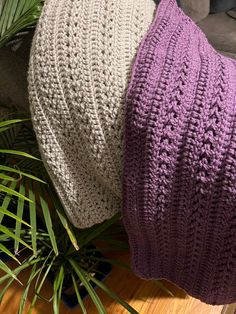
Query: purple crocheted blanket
[{"x": 179, "y": 182}]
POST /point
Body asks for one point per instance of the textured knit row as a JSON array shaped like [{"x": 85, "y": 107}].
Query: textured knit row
[{"x": 177, "y": 119}]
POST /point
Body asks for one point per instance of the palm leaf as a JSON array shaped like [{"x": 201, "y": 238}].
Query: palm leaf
[
  {"x": 112, "y": 294},
  {"x": 7, "y": 178},
  {"x": 10, "y": 191},
  {"x": 79, "y": 299},
  {"x": 30, "y": 262},
  {"x": 33, "y": 220},
  {"x": 8, "y": 271},
  {"x": 33, "y": 273},
  {"x": 4, "y": 237},
  {"x": 57, "y": 289},
  {"x": 16, "y": 152},
  {"x": 4, "y": 129},
  {"x": 7, "y": 198},
  {"x": 16, "y": 217},
  {"x": 48, "y": 222},
  {"x": 38, "y": 289},
  {"x": 82, "y": 276},
  {"x": 63, "y": 218},
  {"x": 21, "y": 173},
  {"x": 20, "y": 208},
  {"x": 16, "y": 16},
  {"x": 10, "y": 122},
  {"x": 19, "y": 136},
  {"x": 10, "y": 234},
  {"x": 7, "y": 252}
]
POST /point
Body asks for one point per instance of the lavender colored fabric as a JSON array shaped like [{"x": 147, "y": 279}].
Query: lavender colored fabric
[{"x": 179, "y": 178}]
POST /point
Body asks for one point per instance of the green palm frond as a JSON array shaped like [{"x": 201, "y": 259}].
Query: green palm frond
[
  {"x": 16, "y": 16},
  {"x": 17, "y": 134},
  {"x": 12, "y": 188},
  {"x": 8, "y": 271},
  {"x": 11, "y": 122},
  {"x": 21, "y": 137},
  {"x": 19, "y": 172}
]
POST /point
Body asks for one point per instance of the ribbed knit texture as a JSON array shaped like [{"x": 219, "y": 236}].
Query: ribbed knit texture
[
  {"x": 180, "y": 160},
  {"x": 79, "y": 69}
]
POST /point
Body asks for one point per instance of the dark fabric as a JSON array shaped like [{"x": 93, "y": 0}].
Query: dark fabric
[{"x": 221, "y": 6}]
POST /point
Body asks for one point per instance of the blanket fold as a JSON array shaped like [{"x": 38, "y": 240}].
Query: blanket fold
[
  {"x": 179, "y": 178},
  {"x": 79, "y": 70}
]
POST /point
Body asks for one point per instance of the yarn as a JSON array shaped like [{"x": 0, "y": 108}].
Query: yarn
[
  {"x": 80, "y": 65},
  {"x": 179, "y": 177}
]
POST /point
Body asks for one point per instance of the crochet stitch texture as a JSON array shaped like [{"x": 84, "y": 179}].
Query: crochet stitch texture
[
  {"x": 179, "y": 181},
  {"x": 79, "y": 69}
]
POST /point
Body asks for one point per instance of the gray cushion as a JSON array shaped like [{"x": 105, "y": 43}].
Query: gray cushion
[
  {"x": 221, "y": 6},
  {"x": 220, "y": 29},
  {"x": 196, "y": 9}
]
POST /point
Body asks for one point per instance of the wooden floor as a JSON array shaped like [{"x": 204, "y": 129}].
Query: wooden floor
[{"x": 146, "y": 297}]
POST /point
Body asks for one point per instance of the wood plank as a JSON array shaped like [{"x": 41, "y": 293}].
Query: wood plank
[{"x": 145, "y": 296}]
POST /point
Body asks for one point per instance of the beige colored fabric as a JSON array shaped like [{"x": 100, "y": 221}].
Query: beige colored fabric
[
  {"x": 79, "y": 69},
  {"x": 196, "y": 9}
]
